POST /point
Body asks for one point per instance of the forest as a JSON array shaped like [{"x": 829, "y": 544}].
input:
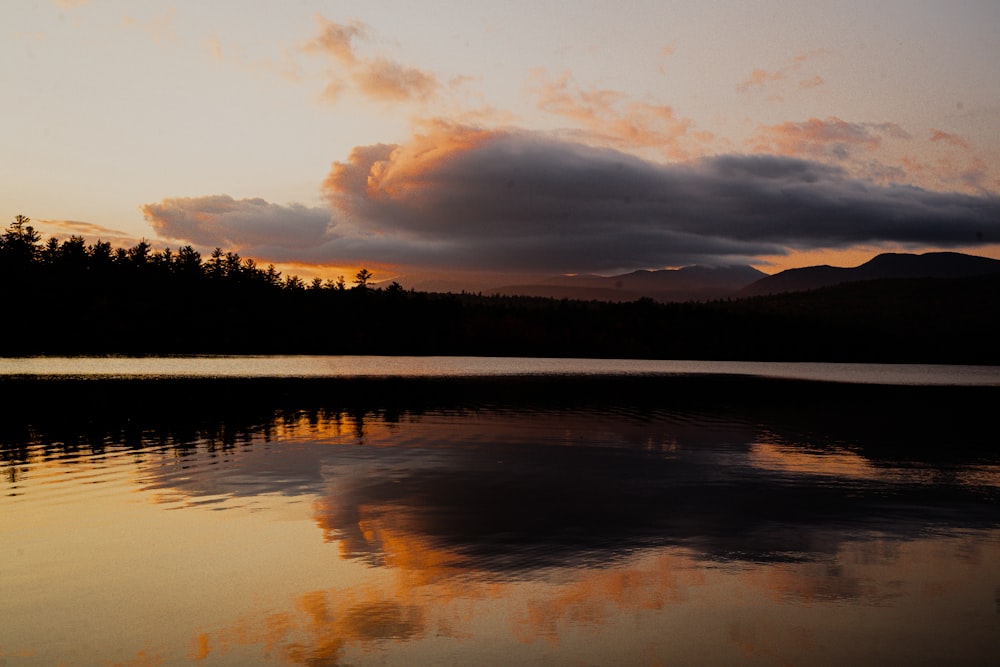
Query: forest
[{"x": 72, "y": 298}]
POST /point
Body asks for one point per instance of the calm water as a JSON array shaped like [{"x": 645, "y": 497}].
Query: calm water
[
  {"x": 325, "y": 511},
  {"x": 374, "y": 366}
]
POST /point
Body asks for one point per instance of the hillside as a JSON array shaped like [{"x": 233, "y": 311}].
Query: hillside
[
  {"x": 884, "y": 266},
  {"x": 690, "y": 283}
]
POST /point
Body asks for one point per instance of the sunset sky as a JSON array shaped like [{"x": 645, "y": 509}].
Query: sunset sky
[{"x": 528, "y": 137}]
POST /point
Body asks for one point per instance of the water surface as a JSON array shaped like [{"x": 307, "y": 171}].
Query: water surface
[
  {"x": 526, "y": 518},
  {"x": 381, "y": 366}
]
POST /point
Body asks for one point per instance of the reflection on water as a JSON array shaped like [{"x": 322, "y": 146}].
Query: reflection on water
[
  {"x": 303, "y": 366},
  {"x": 593, "y": 520}
]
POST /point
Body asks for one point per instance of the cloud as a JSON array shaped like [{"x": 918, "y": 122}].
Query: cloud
[
  {"x": 948, "y": 138},
  {"x": 220, "y": 220},
  {"x": 336, "y": 40},
  {"x": 761, "y": 78},
  {"x": 377, "y": 78},
  {"x": 386, "y": 80},
  {"x": 612, "y": 118},
  {"x": 282, "y": 65},
  {"x": 458, "y": 198},
  {"x": 90, "y": 232},
  {"x": 215, "y": 47},
  {"x": 160, "y": 28},
  {"x": 468, "y": 198},
  {"x": 829, "y": 138}
]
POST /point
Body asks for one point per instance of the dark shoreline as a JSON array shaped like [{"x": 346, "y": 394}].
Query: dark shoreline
[{"x": 921, "y": 420}]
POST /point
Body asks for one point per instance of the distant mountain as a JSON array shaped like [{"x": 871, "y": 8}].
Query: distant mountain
[
  {"x": 888, "y": 265},
  {"x": 691, "y": 283}
]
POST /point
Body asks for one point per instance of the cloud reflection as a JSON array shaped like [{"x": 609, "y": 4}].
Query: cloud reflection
[{"x": 544, "y": 512}]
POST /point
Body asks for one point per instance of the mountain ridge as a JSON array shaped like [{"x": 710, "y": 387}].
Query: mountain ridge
[
  {"x": 689, "y": 283},
  {"x": 705, "y": 283},
  {"x": 882, "y": 266}
]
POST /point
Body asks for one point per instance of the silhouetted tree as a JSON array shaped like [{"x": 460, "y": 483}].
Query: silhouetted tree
[
  {"x": 272, "y": 276},
  {"x": 361, "y": 278},
  {"x": 216, "y": 264},
  {"x": 19, "y": 244},
  {"x": 138, "y": 255},
  {"x": 100, "y": 254},
  {"x": 189, "y": 261}
]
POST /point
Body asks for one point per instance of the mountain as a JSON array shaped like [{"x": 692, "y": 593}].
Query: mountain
[
  {"x": 691, "y": 283},
  {"x": 887, "y": 265}
]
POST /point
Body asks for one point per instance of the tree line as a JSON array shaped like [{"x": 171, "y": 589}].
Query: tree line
[
  {"x": 70, "y": 297},
  {"x": 21, "y": 249}
]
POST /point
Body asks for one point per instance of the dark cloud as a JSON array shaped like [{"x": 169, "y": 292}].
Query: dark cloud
[
  {"x": 471, "y": 198},
  {"x": 459, "y": 198},
  {"x": 220, "y": 220}
]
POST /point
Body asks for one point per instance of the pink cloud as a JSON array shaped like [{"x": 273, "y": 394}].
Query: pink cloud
[
  {"x": 948, "y": 138},
  {"x": 832, "y": 137},
  {"x": 758, "y": 78},
  {"x": 377, "y": 78},
  {"x": 761, "y": 78},
  {"x": 386, "y": 80},
  {"x": 611, "y": 117},
  {"x": 337, "y": 39},
  {"x": 90, "y": 232}
]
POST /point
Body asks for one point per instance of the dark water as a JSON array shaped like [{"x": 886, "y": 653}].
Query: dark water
[{"x": 498, "y": 519}]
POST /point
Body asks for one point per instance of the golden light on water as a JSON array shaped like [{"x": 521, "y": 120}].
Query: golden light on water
[{"x": 320, "y": 534}]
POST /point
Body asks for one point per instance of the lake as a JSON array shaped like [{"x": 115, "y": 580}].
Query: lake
[{"x": 401, "y": 511}]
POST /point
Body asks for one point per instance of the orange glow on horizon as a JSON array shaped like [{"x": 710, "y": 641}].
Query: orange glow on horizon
[{"x": 855, "y": 256}]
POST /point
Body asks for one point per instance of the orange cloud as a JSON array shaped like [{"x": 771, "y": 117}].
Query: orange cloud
[
  {"x": 62, "y": 229},
  {"x": 757, "y": 78},
  {"x": 761, "y": 78},
  {"x": 383, "y": 170},
  {"x": 946, "y": 171},
  {"x": 948, "y": 138},
  {"x": 160, "y": 28},
  {"x": 284, "y": 66},
  {"x": 831, "y": 137},
  {"x": 336, "y": 40},
  {"x": 215, "y": 46},
  {"x": 610, "y": 117},
  {"x": 386, "y": 80},
  {"x": 377, "y": 78},
  {"x": 814, "y": 82}
]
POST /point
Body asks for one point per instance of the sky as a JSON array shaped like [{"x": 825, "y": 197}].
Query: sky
[{"x": 518, "y": 138}]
